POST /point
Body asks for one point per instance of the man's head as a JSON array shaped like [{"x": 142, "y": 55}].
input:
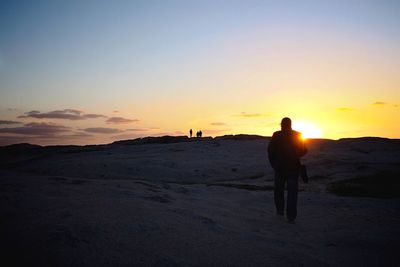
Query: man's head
[{"x": 286, "y": 124}]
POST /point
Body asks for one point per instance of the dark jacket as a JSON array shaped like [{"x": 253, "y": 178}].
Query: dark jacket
[{"x": 285, "y": 150}]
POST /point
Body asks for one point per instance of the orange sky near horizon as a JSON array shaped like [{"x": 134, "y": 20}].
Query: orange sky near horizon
[{"x": 131, "y": 69}]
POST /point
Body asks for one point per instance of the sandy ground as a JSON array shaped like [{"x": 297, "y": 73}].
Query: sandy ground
[{"x": 174, "y": 205}]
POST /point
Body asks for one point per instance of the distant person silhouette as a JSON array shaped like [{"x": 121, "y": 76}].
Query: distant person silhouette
[
  {"x": 191, "y": 133},
  {"x": 284, "y": 152},
  {"x": 200, "y": 133}
]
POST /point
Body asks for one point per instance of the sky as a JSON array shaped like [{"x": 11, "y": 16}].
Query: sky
[{"x": 92, "y": 72}]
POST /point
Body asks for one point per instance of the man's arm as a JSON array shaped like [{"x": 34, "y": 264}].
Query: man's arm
[{"x": 272, "y": 151}]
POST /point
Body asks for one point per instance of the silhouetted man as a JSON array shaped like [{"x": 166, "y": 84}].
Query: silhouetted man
[
  {"x": 191, "y": 132},
  {"x": 284, "y": 152}
]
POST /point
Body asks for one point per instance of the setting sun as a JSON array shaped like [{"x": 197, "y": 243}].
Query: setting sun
[{"x": 308, "y": 129}]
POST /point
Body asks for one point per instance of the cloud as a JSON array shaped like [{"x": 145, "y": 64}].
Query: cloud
[
  {"x": 93, "y": 116},
  {"x": 103, "y": 130},
  {"x": 37, "y": 129},
  {"x": 73, "y": 111},
  {"x": 379, "y": 103},
  {"x": 57, "y": 114},
  {"x": 344, "y": 109},
  {"x": 66, "y": 114},
  {"x": 250, "y": 115},
  {"x": 9, "y": 122},
  {"x": 218, "y": 123},
  {"x": 120, "y": 120},
  {"x": 136, "y": 130}
]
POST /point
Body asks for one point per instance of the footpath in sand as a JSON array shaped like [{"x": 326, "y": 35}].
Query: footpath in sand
[{"x": 205, "y": 203}]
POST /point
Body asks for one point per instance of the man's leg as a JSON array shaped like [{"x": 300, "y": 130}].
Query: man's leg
[
  {"x": 279, "y": 194},
  {"x": 292, "y": 186}
]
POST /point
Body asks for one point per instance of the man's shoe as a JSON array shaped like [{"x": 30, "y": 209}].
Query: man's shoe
[
  {"x": 280, "y": 213},
  {"x": 291, "y": 221}
]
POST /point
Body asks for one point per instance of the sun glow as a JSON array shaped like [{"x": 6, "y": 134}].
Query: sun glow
[{"x": 308, "y": 129}]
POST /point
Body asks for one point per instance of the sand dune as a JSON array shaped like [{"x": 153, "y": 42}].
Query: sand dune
[{"x": 179, "y": 202}]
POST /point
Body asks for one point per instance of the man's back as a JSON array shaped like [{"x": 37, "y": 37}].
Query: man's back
[{"x": 285, "y": 150}]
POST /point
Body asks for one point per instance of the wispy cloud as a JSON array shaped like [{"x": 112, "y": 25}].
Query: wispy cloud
[
  {"x": 218, "y": 123},
  {"x": 136, "y": 130},
  {"x": 73, "y": 111},
  {"x": 250, "y": 115},
  {"x": 9, "y": 122},
  {"x": 120, "y": 120},
  {"x": 345, "y": 109},
  {"x": 379, "y": 103},
  {"x": 103, "y": 130},
  {"x": 93, "y": 116},
  {"x": 66, "y": 114},
  {"x": 38, "y": 129}
]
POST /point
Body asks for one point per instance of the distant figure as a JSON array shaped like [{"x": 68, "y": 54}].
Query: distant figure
[
  {"x": 190, "y": 133},
  {"x": 200, "y": 133},
  {"x": 284, "y": 152}
]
